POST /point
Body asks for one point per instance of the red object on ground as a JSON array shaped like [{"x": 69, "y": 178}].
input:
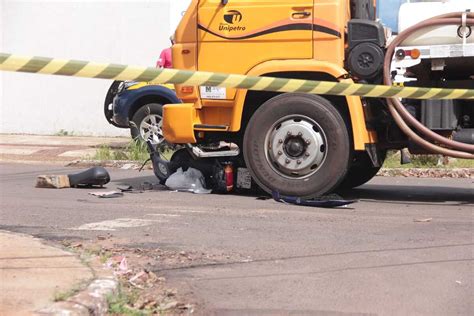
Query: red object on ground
[{"x": 229, "y": 177}]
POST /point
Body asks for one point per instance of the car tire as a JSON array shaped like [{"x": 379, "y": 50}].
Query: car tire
[
  {"x": 146, "y": 123},
  {"x": 298, "y": 145}
]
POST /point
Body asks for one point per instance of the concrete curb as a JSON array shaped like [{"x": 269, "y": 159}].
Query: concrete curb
[{"x": 91, "y": 301}]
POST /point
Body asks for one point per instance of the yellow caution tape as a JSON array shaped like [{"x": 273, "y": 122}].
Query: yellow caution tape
[{"x": 77, "y": 68}]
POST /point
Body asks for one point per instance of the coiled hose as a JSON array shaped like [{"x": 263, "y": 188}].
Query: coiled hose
[{"x": 400, "y": 114}]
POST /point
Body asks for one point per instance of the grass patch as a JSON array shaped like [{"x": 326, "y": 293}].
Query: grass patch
[
  {"x": 135, "y": 150},
  {"x": 63, "y": 132},
  {"x": 120, "y": 303},
  {"x": 425, "y": 161},
  {"x": 60, "y": 296}
]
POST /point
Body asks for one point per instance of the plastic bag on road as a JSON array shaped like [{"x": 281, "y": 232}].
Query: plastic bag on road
[{"x": 191, "y": 180}]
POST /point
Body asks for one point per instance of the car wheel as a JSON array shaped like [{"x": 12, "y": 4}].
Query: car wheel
[
  {"x": 146, "y": 123},
  {"x": 298, "y": 145}
]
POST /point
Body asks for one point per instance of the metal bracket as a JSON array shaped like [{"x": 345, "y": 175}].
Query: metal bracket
[{"x": 199, "y": 153}]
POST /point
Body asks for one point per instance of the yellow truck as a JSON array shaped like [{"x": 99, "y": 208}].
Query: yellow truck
[{"x": 300, "y": 144}]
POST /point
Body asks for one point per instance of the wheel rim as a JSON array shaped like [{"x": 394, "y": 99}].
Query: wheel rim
[
  {"x": 151, "y": 129},
  {"x": 296, "y": 147}
]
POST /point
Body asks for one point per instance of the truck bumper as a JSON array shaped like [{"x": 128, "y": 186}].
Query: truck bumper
[{"x": 178, "y": 123}]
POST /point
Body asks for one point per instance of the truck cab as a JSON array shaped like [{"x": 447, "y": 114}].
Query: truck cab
[{"x": 295, "y": 143}]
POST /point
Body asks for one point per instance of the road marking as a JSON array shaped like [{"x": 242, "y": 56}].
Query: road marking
[{"x": 114, "y": 224}]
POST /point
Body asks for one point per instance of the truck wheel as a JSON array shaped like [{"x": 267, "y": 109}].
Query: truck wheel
[
  {"x": 297, "y": 144},
  {"x": 362, "y": 171},
  {"x": 147, "y": 122}
]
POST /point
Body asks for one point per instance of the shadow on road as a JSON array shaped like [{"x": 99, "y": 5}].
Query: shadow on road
[
  {"x": 333, "y": 254},
  {"x": 382, "y": 193},
  {"x": 411, "y": 193}
]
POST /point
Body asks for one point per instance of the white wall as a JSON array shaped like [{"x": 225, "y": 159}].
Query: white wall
[{"x": 129, "y": 32}]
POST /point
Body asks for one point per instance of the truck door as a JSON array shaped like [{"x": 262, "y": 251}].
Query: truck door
[{"x": 241, "y": 34}]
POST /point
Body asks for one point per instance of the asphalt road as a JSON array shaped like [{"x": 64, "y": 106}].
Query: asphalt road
[{"x": 406, "y": 248}]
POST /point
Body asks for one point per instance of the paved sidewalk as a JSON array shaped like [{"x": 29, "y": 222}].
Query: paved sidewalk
[
  {"x": 32, "y": 273},
  {"x": 53, "y": 149}
]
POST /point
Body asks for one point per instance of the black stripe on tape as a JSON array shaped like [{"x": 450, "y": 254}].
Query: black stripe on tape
[
  {"x": 249, "y": 82},
  {"x": 215, "y": 79},
  {"x": 442, "y": 94},
  {"x": 418, "y": 93},
  {"x": 181, "y": 77},
  {"x": 71, "y": 68},
  {"x": 468, "y": 95},
  {"x": 277, "y": 84},
  {"x": 112, "y": 71},
  {"x": 35, "y": 64},
  {"x": 365, "y": 89},
  {"x": 148, "y": 75},
  {"x": 4, "y": 57},
  {"x": 393, "y": 91},
  {"x": 340, "y": 88},
  {"x": 308, "y": 86}
]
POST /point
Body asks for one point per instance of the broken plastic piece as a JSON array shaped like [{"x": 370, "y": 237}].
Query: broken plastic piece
[
  {"x": 191, "y": 180},
  {"x": 327, "y": 202},
  {"x": 125, "y": 188},
  {"x": 107, "y": 195}
]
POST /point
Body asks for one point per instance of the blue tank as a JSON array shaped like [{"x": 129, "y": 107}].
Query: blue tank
[{"x": 387, "y": 12}]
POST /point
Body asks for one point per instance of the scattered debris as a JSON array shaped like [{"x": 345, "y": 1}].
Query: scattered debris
[
  {"x": 125, "y": 188},
  {"x": 143, "y": 279},
  {"x": 107, "y": 195},
  {"x": 106, "y": 163},
  {"x": 119, "y": 264},
  {"x": 96, "y": 176},
  {"x": 191, "y": 180},
  {"x": 128, "y": 166},
  {"x": 52, "y": 181},
  {"x": 427, "y": 172},
  {"x": 329, "y": 201},
  {"x": 423, "y": 220}
]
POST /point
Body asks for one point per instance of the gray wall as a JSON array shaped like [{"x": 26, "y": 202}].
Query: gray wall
[{"x": 130, "y": 32}]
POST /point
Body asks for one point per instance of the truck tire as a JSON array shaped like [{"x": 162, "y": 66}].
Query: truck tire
[
  {"x": 298, "y": 145},
  {"x": 361, "y": 172},
  {"x": 147, "y": 122}
]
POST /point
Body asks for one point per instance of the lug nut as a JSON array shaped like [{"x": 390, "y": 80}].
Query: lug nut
[
  {"x": 280, "y": 141},
  {"x": 280, "y": 153},
  {"x": 298, "y": 162},
  {"x": 289, "y": 133},
  {"x": 300, "y": 134},
  {"x": 308, "y": 142},
  {"x": 287, "y": 160},
  {"x": 306, "y": 154}
]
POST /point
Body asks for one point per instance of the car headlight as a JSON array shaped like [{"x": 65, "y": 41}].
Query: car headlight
[{"x": 124, "y": 85}]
